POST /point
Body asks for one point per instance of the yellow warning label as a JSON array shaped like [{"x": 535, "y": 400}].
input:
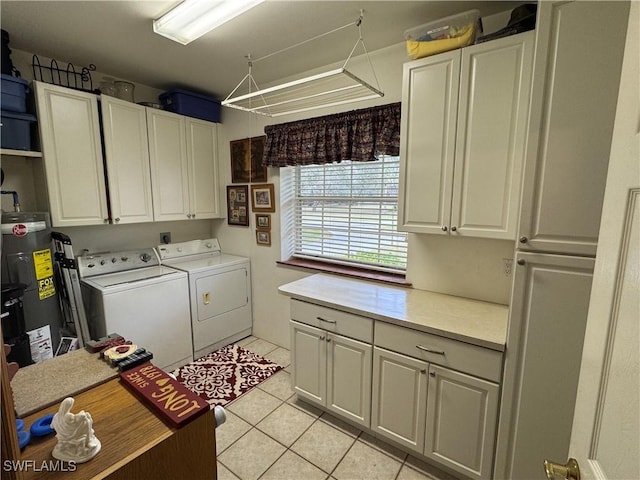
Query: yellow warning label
[
  {"x": 42, "y": 264},
  {"x": 46, "y": 288}
]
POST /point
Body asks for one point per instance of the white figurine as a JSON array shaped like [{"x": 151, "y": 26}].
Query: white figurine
[{"x": 76, "y": 439}]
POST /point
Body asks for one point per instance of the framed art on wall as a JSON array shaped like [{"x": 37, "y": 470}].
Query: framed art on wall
[
  {"x": 246, "y": 160},
  {"x": 263, "y": 198},
  {"x": 238, "y": 205},
  {"x": 263, "y": 237},
  {"x": 263, "y": 221}
]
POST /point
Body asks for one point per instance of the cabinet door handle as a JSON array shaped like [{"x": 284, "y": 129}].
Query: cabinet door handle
[
  {"x": 205, "y": 298},
  {"x": 524, "y": 239},
  {"x": 322, "y": 337},
  {"x": 424, "y": 370},
  {"x": 117, "y": 219},
  {"x": 444, "y": 228},
  {"x": 454, "y": 228},
  {"x": 328, "y": 338},
  {"x": 432, "y": 373},
  {"x": 327, "y": 321},
  {"x": 521, "y": 261},
  {"x": 193, "y": 215},
  {"x": 430, "y": 350}
]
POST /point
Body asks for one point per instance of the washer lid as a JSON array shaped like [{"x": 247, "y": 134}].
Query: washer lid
[{"x": 131, "y": 276}]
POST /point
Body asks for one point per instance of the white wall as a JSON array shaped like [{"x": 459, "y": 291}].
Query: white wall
[{"x": 463, "y": 267}]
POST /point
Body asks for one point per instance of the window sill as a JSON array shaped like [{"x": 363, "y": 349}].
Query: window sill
[{"x": 354, "y": 272}]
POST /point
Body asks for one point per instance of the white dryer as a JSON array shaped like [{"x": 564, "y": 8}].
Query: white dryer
[{"x": 219, "y": 290}]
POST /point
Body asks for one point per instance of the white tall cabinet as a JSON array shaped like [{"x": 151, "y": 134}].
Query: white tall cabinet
[
  {"x": 184, "y": 167},
  {"x": 579, "y": 50},
  {"x": 72, "y": 155},
  {"x": 463, "y": 133}
]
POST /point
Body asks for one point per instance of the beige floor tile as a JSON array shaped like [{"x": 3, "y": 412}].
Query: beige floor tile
[
  {"x": 323, "y": 445},
  {"x": 340, "y": 425},
  {"x": 246, "y": 340},
  {"x": 304, "y": 406},
  {"x": 427, "y": 469},
  {"x": 363, "y": 462},
  {"x": 285, "y": 424},
  {"x": 230, "y": 431},
  {"x": 252, "y": 455},
  {"x": 224, "y": 473},
  {"x": 279, "y": 385},
  {"x": 280, "y": 355},
  {"x": 254, "y": 406},
  {"x": 383, "y": 446},
  {"x": 260, "y": 346},
  {"x": 293, "y": 467}
]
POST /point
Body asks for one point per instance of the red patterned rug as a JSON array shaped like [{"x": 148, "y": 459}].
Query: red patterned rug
[{"x": 224, "y": 375}]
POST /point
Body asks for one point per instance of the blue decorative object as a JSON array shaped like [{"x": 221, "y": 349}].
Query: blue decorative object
[{"x": 42, "y": 426}]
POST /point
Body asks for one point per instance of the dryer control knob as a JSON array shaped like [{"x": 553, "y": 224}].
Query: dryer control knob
[
  {"x": 179, "y": 249},
  {"x": 208, "y": 245},
  {"x": 124, "y": 259},
  {"x": 145, "y": 257},
  {"x": 114, "y": 260},
  {"x": 102, "y": 262}
]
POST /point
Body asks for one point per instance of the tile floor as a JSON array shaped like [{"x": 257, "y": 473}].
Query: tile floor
[{"x": 270, "y": 435}]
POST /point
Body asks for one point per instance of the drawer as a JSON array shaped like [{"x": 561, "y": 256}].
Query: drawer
[
  {"x": 343, "y": 323},
  {"x": 472, "y": 359}
]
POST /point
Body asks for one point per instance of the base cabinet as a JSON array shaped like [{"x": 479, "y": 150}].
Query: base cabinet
[
  {"x": 333, "y": 371},
  {"x": 461, "y": 421}
]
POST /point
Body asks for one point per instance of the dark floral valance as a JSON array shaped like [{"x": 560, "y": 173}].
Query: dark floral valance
[{"x": 358, "y": 135}]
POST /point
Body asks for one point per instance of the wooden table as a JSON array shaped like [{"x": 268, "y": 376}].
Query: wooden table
[{"x": 136, "y": 443}]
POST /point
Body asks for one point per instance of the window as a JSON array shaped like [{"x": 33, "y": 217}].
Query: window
[{"x": 347, "y": 213}]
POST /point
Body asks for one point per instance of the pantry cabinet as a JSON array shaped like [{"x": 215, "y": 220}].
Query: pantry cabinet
[
  {"x": 331, "y": 369},
  {"x": 127, "y": 160},
  {"x": 69, "y": 126},
  {"x": 463, "y": 133},
  {"x": 184, "y": 166}
]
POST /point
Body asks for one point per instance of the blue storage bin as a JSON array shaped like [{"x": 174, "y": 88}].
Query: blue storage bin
[
  {"x": 13, "y": 92},
  {"x": 15, "y": 132},
  {"x": 191, "y": 104}
]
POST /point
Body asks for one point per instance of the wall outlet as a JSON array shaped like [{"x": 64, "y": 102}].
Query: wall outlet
[
  {"x": 507, "y": 266},
  {"x": 165, "y": 237}
]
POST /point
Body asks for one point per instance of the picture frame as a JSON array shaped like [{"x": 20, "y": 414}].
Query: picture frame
[
  {"x": 263, "y": 237},
  {"x": 263, "y": 198},
  {"x": 238, "y": 205},
  {"x": 263, "y": 221},
  {"x": 246, "y": 160}
]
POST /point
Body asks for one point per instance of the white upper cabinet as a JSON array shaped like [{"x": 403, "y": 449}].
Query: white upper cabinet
[
  {"x": 575, "y": 89},
  {"x": 184, "y": 166},
  {"x": 463, "y": 136},
  {"x": 72, "y": 155},
  {"x": 127, "y": 153}
]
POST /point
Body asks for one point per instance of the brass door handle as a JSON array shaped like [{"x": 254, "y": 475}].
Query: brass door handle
[
  {"x": 570, "y": 471},
  {"x": 205, "y": 299}
]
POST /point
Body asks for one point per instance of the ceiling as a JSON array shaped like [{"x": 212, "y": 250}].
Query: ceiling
[{"x": 118, "y": 38}]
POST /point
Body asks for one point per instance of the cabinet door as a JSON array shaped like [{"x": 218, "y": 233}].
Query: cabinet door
[
  {"x": 579, "y": 49},
  {"x": 461, "y": 421},
  {"x": 72, "y": 153},
  {"x": 169, "y": 168},
  {"x": 547, "y": 323},
  {"x": 202, "y": 153},
  {"x": 126, "y": 148},
  {"x": 495, "y": 85},
  {"x": 399, "y": 398},
  {"x": 309, "y": 362},
  {"x": 349, "y": 378},
  {"x": 427, "y": 143}
]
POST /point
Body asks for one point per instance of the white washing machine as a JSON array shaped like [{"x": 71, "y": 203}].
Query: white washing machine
[
  {"x": 132, "y": 294},
  {"x": 220, "y": 292}
]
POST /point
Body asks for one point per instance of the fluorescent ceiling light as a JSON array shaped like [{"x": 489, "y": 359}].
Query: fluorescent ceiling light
[{"x": 193, "y": 18}]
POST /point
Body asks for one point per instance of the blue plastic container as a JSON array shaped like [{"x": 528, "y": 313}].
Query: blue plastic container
[
  {"x": 13, "y": 92},
  {"x": 191, "y": 104},
  {"x": 15, "y": 132}
]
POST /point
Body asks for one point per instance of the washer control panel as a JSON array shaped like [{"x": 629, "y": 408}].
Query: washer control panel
[{"x": 102, "y": 263}]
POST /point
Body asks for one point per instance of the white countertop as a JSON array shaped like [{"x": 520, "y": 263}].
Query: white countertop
[{"x": 471, "y": 321}]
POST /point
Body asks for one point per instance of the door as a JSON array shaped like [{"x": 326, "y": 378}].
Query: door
[
  {"x": 579, "y": 48},
  {"x": 427, "y": 143},
  {"x": 495, "y": 85},
  {"x": 309, "y": 360},
  {"x": 72, "y": 155},
  {"x": 169, "y": 168},
  {"x": 399, "y": 398},
  {"x": 126, "y": 146},
  {"x": 461, "y": 421},
  {"x": 202, "y": 153},
  {"x": 349, "y": 378},
  {"x": 605, "y": 435}
]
